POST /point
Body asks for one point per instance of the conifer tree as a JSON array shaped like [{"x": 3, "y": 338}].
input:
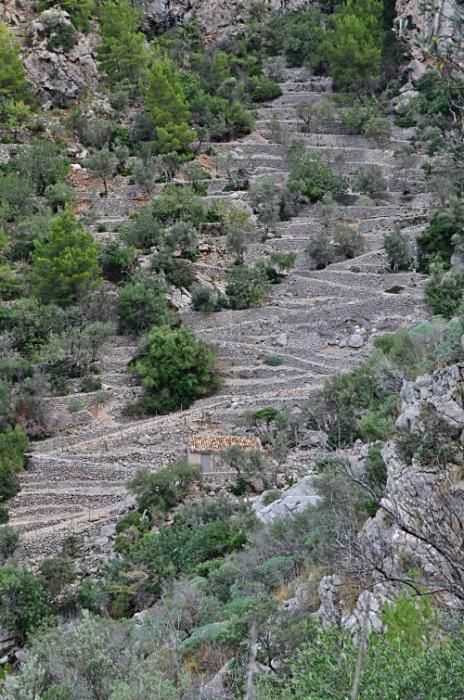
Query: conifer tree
[
  {"x": 168, "y": 107},
  {"x": 12, "y": 75},
  {"x": 65, "y": 263},
  {"x": 122, "y": 51},
  {"x": 355, "y": 47}
]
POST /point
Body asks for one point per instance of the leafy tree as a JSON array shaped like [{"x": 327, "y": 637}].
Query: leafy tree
[
  {"x": 355, "y": 47},
  {"x": 247, "y": 286},
  {"x": 103, "y": 165},
  {"x": 18, "y": 114},
  {"x": 369, "y": 180},
  {"x": 142, "y": 304},
  {"x": 160, "y": 491},
  {"x": 122, "y": 51},
  {"x": 22, "y": 601},
  {"x": 205, "y": 299},
  {"x": 41, "y": 163},
  {"x": 184, "y": 236},
  {"x": 265, "y": 200},
  {"x": 444, "y": 291},
  {"x": 312, "y": 178},
  {"x": 56, "y": 573},
  {"x": 12, "y": 75},
  {"x": 179, "y": 204},
  {"x": 146, "y": 231},
  {"x": 65, "y": 263},
  {"x": 175, "y": 369},
  {"x": 168, "y": 107},
  {"x": 397, "y": 250}
]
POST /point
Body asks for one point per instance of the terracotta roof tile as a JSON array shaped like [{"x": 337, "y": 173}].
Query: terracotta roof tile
[{"x": 218, "y": 443}]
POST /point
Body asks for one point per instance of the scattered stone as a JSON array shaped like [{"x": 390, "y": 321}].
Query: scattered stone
[{"x": 356, "y": 341}]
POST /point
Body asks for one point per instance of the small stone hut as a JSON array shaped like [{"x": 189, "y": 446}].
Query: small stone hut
[{"x": 205, "y": 450}]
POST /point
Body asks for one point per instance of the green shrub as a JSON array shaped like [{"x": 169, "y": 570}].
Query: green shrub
[
  {"x": 205, "y": 299},
  {"x": 141, "y": 304},
  {"x": 354, "y": 48},
  {"x": 13, "y": 445},
  {"x": 273, "y": 361},
  {"x": 263, "y": 89},
  {"x": 321, "y": 250},
  {"x": 311, "y": 178},
  {"x": 356, "y": 115},
  {"x": 348, "y": 242},
  {"x": 444, "y": 291},
  {"x": 80, "y": 11},
  {"x": 117, "y": 261},
  {"x": 4, "y": 515},
  {"x": 369, "y": 180},
  {"x": 175, "y": 370},
  {"x": 55, "y": 574},
  {"x": 436, "y": 242},
  {"x": 299, "y": 36},
  {"x": 59, "y": 195},
  {"x": 145, "y": 232},
  {"x": 122, "y": 51},
  {"x": 247, "y": 286},
  {"x": 378, "y": 129},
  {"x": 158, "y": 492},
  {"x": 179, "y": 203}
]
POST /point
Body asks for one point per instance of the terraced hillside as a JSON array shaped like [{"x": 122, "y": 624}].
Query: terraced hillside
[{"x": 318, "y": 322}]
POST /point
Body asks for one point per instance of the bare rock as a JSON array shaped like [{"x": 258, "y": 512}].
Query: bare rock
[{"x": 293, "y": 501}]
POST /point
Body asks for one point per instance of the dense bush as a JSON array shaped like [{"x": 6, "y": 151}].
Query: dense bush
[
  {"x": 175, "y": 369},
  {"x": 205, "y": 299},
  {"x": 437, "y": 241},
  {"x": 141, "y": 304},
  {"x": 247, "y": 286},
  {"x": 80, "y": 11},
  {"x": 166, "y": 102},
  {"x": 146, "y": 231},
  {"x": 311, "y": 178},
  {"x": 13, "y": 445},
  {"x": 444, "y": 291},
  {"x": 299, "y": 36},
  {"x": 117, "y": 261},
  {"x": 369, "y": 180},
  {"x": 158, "y": 492}
]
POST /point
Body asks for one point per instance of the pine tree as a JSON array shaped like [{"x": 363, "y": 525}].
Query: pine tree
[
  {"x": 122, "y": 51},
  {"x": 65, "y": 263},
  {"x": 168, "y": 107},
  {"x": 12, "y": 75},
  {"x": 355, "y": 47}
]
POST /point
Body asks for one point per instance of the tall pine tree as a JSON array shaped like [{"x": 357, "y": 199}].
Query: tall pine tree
[
  {"x": 12, "y": 75},
  {"x": 355, "y": 46},
  {"x": 168, "y": 107}
]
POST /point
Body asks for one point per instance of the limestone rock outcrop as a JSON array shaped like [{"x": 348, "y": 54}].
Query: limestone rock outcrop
[
  {"x": 59, "y": 76},
  {"x": 432, "y": 31},
  {"x": 215, "y": 17},
  {"x": 416, "y": 538}
]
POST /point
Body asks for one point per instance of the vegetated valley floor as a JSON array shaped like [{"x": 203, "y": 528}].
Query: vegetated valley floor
[{"x": 75, "y": 483}]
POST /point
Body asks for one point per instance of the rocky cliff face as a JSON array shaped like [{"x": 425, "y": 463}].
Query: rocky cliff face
[
  {"x": 214, "y": 16},
  {"x": 433, "y": 33},
  {"x": 416, "y": 538}
]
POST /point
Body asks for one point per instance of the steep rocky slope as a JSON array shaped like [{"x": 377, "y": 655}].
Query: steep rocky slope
[{"x": 319, "y": 322}]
